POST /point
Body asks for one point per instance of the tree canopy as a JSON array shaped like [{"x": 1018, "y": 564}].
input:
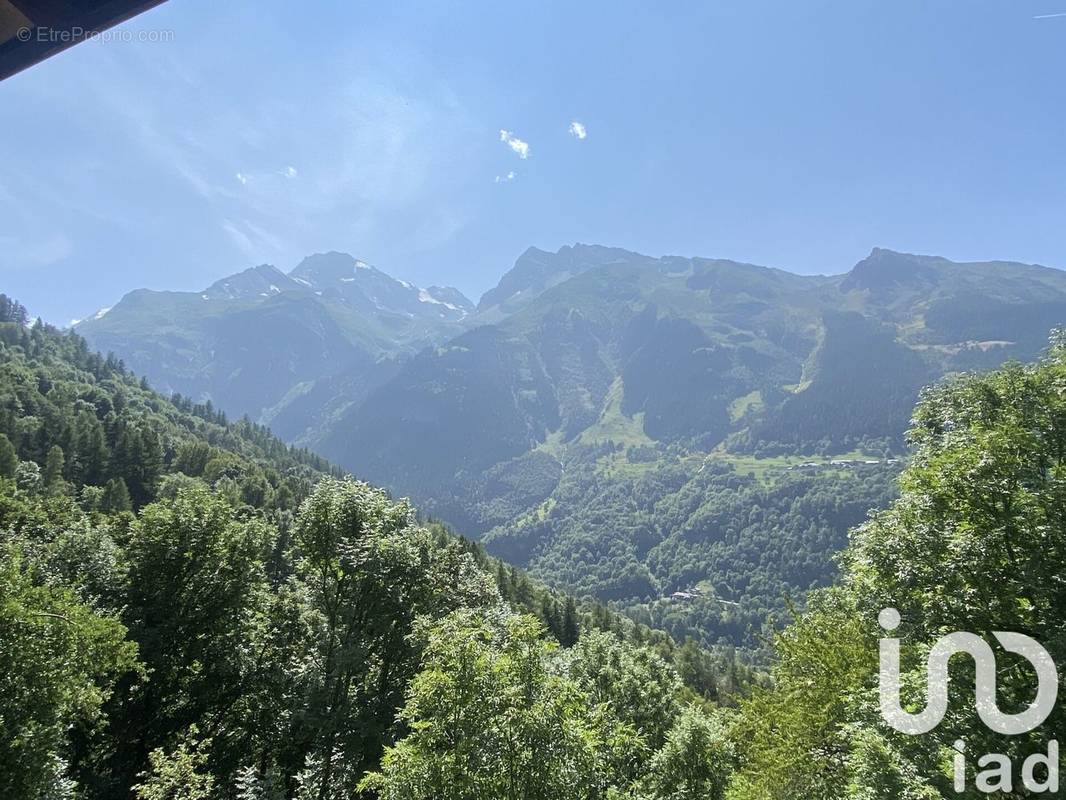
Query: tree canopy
[{"x": 974, "y": 543}]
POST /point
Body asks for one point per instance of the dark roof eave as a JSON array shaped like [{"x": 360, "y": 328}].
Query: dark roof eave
[{"x": 67, "y": 30}]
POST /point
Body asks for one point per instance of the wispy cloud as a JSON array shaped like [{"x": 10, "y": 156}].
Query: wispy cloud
[
  {"x": 384, "y": 162},
  {"x": 516, "y": 144},
  {"x": 239, "y": 238},
  {"x": 510, "y": 176},
  {"x": 1050, "y": 16},
  {"x": 578, "y": 130},
  {"x": 367, "y": 163},
  {"x": 289, "y": 172},
  {"x": 35, "y": 252}
]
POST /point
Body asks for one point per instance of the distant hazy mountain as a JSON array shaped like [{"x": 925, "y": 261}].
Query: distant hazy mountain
[
  {"x": 256, "y": 341},
  {"x": 705, "y": 352},
  {"x": 537, "y": 270},
  {"x": 262, "y": 281},
  {"x": 370, "y": 291},
  {"x": 621, "y": 424}
]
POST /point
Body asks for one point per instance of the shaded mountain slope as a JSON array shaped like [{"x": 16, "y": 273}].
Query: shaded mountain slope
[{"x": 253, "y": 340}]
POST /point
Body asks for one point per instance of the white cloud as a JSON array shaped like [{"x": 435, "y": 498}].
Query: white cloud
[
  {"x": 516, "y": 144},
  {"x": 578, "y": 129},
  {"x": 510, "y": 176},
  {"x": 1050, "y": 16},
  {"x": 289, "y": 172}
]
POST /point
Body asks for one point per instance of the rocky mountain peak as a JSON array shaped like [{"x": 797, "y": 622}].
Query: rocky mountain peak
[{"x": 884, "y": 270}]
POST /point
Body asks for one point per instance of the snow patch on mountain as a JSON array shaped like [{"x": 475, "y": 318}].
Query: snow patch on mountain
[{"x": 425, "y": 297}]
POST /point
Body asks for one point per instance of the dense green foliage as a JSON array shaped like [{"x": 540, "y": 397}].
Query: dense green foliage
[
  {"x": 634, "y": 527},
  {"x": 279, "y": 646},
  {"x": 498, "y": 712},
  {"x": 974, "y": 543},
  {"x": 58, "y": 661},
  {"x": 81, "y": 424},
  {"x": 189, "y": 609}
]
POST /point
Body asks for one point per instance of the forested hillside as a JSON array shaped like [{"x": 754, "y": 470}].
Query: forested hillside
[
  {"x": 191, "y": 609},
  {"x": 214, "y": 643},
  {"x": 627, "y": 427},
  {"x": 703, "y": 354},
  {"x": 976, "y": 542},
  {"x": 80, "y": 422},
  {"x": 696, "y": 546}
]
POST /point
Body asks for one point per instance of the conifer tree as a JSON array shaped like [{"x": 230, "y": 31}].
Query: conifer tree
[
  {"x": 570, "y": 630},
  {"x": 9, "y": 460},
  {"x": 52, "y": 476},
  {"x": 116, "y": 496}
]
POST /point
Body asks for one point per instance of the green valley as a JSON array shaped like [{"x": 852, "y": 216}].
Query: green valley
[
  {"x": 190, "y": 608},
  {"x": 625, "y": 427}
]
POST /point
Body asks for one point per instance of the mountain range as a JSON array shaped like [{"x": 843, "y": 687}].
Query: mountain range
[
  {"x": 258, "y": 341},
  {"x": 261, "y": 337},
  {"x": 587, "y": 368}
]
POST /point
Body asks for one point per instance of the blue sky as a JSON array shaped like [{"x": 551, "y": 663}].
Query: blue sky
[{"x": 796, "y": 133}]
